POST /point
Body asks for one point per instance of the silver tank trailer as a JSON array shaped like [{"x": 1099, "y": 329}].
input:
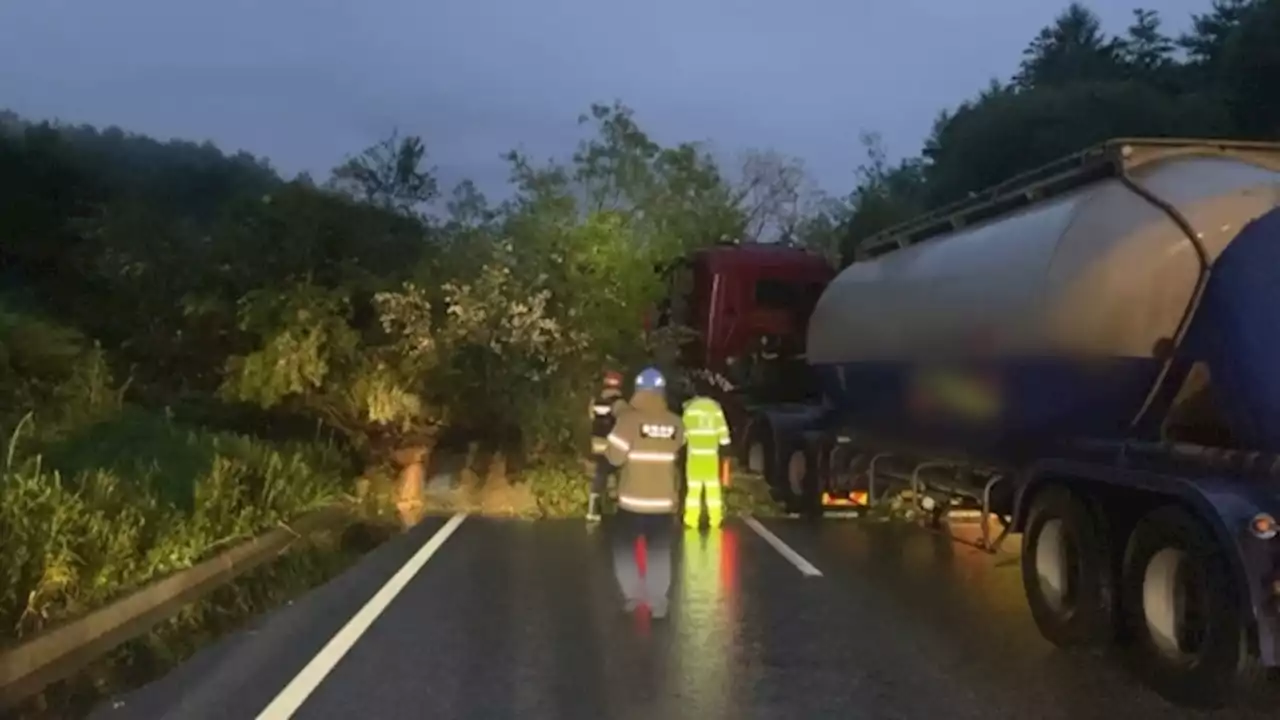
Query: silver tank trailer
[{"x": 1071, "y": 298}]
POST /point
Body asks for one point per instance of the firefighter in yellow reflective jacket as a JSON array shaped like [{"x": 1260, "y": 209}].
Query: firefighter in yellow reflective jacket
[{"x": 707, "y": 437}]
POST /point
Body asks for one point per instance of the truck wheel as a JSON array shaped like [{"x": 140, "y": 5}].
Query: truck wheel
[
  {"x": 791, "y": 469},
  {"x": 804, "y": 472},
  {"x": 764, "y": 444},
  {"x": 1187, "y": 636},
  {"x": 1066, "y": 571},
  {"x": 755, "y": 456}
]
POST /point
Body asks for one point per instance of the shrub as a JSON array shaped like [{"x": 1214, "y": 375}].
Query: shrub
[
  {"x": 749, "y": 494},
  {"x": 130, "y": 500},
  {"x": 560, "y": 488}
]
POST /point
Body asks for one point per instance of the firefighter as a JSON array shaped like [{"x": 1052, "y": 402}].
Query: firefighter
[
  {"x": 605, "y": 409},
  {"x": 645, "y": 444},
  {"x": 708, "y": 442}
]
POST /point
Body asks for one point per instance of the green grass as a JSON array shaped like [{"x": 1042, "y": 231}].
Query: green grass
[
  {"x": 104, "y": 509},
  {"x": 303, "y": 567}
]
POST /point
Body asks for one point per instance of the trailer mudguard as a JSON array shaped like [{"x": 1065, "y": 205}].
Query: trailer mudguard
[{"x": 1225, "y": 504}]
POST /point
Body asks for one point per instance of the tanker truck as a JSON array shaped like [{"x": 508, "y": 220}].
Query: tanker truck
[{"x": 1089, "y": 355}]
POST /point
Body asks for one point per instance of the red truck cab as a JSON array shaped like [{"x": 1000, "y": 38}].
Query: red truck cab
[{"x": 738, "y": 296}]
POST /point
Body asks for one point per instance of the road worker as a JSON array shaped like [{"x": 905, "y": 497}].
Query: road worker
[
  {"x": 645, "y": 444},
  {"x": 605, "y": 409},
  {"x": 705, "y": 455}
]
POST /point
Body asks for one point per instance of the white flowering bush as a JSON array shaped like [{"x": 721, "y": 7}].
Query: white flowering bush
[
  {"x": 510, "y": 320},
  {"x": 406, "y": 317},
  {"x": 509, "y": 339}
]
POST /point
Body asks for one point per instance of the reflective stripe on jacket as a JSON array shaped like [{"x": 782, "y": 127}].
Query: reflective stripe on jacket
[
  {"x": 707, "y": 432},
  {"x": 645, "y": 444}
]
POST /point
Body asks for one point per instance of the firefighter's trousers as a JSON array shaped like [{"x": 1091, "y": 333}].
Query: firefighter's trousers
[
  {"x": 654, "y": 586},
  {"x": 600, "y": 481},
  {"x": 702, "y": 477}
]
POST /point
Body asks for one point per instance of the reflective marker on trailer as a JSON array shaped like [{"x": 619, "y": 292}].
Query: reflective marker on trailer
[
  {"x": 1263, "y": 526},
  {"x": 856, "y": 498}
]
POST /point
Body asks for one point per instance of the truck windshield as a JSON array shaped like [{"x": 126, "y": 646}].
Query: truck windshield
[{"x": 785, "y": 294}]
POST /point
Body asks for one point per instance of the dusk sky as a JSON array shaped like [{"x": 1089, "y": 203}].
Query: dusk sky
[{"x": 306, "y": 82}]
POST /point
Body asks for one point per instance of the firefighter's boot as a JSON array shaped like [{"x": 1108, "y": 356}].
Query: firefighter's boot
[
  {"x": 593, "y": 508},
  {"x": 714, "y": 518},
  {"x": 692, "y": 518}
]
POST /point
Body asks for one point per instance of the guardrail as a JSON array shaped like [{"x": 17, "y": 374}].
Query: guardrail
[{"x": 62, "y": 651}]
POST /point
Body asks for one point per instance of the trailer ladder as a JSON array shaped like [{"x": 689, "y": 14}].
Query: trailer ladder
[{"x": 1113, "y": 158}]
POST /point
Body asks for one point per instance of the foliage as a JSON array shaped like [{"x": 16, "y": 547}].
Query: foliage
[
  {"x": 389, "y": 175},
  {"x": 263, "y": 589},
  {"x": 674, "y": 199},
  {"x": 1077, "y": 86},
  {"x": 372, "y": 304},
  {"x": 136, "y": 498},
  {"x": 369, "y": 305},
  {"x": 503, "y": 328},
  {"x": 48, "y": 365},
  {"x": 100, "y": 497},
  {"x": 559, "y": 488},
  {"x": 750, "y": 494}
]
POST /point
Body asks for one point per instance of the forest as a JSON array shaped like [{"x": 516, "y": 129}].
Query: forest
[{"x": 194, "y": 348}]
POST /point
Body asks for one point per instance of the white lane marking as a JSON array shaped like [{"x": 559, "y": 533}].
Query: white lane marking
[
  {"x": 783, "y": 549},
  {"x": 300, "y": 688}
]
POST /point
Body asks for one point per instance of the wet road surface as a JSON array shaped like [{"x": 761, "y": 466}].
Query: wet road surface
[{"x": 522, "y": 620}]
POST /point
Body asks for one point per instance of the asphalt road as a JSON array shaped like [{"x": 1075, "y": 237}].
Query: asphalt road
[{"x": 521, "y": 620}]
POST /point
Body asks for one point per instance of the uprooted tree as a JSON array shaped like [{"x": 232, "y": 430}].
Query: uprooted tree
[{"x": 504, "y": 326}]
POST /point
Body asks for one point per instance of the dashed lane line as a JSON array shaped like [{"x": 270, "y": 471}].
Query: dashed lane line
[
  {"x": 795, "y": 558},
  {"x": 300, "y": 688}
]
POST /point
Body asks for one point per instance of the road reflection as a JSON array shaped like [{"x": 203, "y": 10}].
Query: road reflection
[{"x": 706, "y": 613}]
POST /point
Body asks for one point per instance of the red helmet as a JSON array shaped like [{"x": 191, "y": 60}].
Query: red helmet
[{"x": 613, "y": 379}]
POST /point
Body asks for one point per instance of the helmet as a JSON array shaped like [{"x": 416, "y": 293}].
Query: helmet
[
  {"x": 613, "y": 379},
  {"x": 650, "y": 379}
]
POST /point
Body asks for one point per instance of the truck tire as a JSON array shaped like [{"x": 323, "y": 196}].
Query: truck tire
[
  {"x": 758, "y": 447},
  {"x": 1187, "y": 637},
  {"x": 762, "y": 437},
  {"x": 1067, "y": 571},
  {"x": 789, "y": 469},
  {"x": 805, "y": 467}
]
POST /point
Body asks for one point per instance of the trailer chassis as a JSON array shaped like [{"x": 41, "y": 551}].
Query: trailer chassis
[{"x": 1124, "y": 498}]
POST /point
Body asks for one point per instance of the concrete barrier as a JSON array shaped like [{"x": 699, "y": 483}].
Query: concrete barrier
[{"x": 62, "y": 651}]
